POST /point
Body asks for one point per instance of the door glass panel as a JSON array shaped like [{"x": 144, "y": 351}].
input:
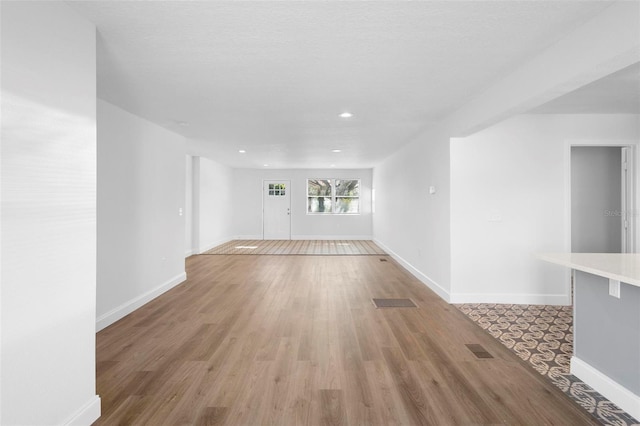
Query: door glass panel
[{"x": 277, "y": 189}]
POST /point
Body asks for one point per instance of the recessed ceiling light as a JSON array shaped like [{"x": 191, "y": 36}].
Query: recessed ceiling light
[
  {"x": 265, "y": 165},
  {"x": 242, "y": 151},
  {"x": 336, "y": 150},
  {"x": 346, "y": 114},
  {"x": 333, "y": 165}
]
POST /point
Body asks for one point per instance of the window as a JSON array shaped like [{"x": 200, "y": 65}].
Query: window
[
  {"x": 277, "y": 189},
  {"x": 347, "y": 196},
  {"x": 319, "y": 195},
  {"x": 334, "y": 196}
]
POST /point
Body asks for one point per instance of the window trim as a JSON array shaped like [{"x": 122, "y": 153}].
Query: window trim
[{"x": 333, "y": 197}]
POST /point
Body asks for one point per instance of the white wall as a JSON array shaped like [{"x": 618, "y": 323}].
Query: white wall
[
  {"x": 409, "y": 222},
  {"x": 213, "y": 187},
  {"x": 48, "y": 216},
  {"x": 247, "y": 203},
  {"x": 188, "y": 206},
  {"x": 141, "y": 188},
  {"x": 508, "y": 202}
]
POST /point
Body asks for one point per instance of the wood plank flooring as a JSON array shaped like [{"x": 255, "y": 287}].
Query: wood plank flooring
[{"x": 296, "y": 340}]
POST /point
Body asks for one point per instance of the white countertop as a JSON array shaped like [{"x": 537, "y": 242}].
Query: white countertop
[{"x": 622, "y": 267}]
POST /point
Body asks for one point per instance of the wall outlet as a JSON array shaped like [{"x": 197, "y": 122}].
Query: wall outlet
[
  {"x": 614, "y": 288},
  {"x": 494, "y": 216}
]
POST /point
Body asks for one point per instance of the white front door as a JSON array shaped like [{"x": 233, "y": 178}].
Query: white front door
[{"x": 276, "y": 214}]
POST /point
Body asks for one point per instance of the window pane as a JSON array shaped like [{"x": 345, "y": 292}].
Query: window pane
[
  {"x": 347, "y": 187},
  {"x": 319, "y": 187},
  {"x": 319, "y": 205},
  {"x": 347, "y": 205}
]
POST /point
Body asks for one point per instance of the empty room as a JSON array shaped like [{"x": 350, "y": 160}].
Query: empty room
[{"x": 319, "y": 212}]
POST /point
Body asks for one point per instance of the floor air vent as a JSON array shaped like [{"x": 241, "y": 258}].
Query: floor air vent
[
  {"x": 479, "y": 351},
  {"x": 394, "y": 303}
]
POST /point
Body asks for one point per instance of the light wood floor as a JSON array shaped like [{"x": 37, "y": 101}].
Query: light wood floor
[{"x": 284, "y": 340}]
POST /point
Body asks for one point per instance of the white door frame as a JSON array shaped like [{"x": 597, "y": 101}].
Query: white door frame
[
  {"x": 628, "y": 175},
  {"x": 634, "y": 145}
]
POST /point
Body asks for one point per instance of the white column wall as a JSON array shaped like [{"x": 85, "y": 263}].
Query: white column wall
[
  {"x": 215, "y": 188},
  {"x": 188, "y": 207},
  {"x": 141, "y": 189},
  {"x": 48, "y": 216},
  {"x": 409, "y": 222}
]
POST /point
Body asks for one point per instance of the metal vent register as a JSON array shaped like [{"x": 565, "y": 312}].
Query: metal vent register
[{"x": 394, "y": 303}]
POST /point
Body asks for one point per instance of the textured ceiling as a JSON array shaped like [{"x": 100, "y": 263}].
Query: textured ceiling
[
  {"x": 272, "y": 77},
  {"x": 618, "y": 93}
]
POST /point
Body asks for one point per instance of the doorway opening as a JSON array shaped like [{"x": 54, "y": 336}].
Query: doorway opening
[
  {"x": 601, "y": 193},
  {"x": 601, "y": 199}
]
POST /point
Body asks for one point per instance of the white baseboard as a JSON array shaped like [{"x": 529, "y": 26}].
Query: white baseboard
[
  {"x": 188, "y": 253},
  {"x": 612, "y": 390},
  {"x": 210, "y": 245},
  {"x": 331, "y": 237},
  {"x": 435, "y": 287},
  {"x": 512, "y": 298},
  {"x": 88, "y": 414},
  {"x": 126, "y": 308}
]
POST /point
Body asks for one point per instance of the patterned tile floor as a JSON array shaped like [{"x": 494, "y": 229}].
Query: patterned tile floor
[
  {"x": 300, "y": 247},
  {"x": 543, "y": 336}
]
